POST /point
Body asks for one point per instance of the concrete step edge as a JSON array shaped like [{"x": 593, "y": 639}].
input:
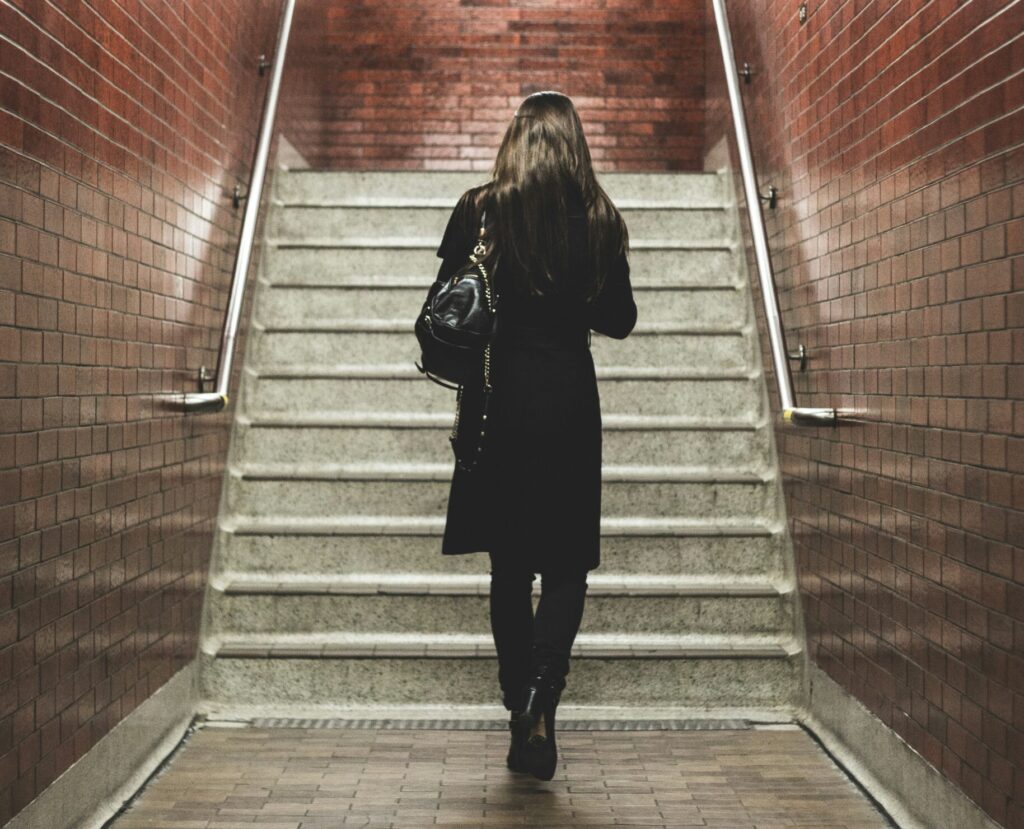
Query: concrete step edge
[
  {"x": 402, "y": 371},
  {"x": 404, "y": 326},
  {"x": 418, "y": 283},
  {"x": 480, "y": 176},
  {"x": 419, "y": 420},
  {"x": 240, "y": 583},
  {"x": 313, "y": 715},
  {"x": 445, "y": 202},
  {"x": 461, "y": 645},
  {"x": 441, "y": 472},
  {"x": 358, "y": 525},
  {"x": 431, "y": 243}
]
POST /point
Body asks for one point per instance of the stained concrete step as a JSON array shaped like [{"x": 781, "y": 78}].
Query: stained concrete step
[
  {"x": 696, "y": 392},
  {"x": 316, "y": 223},
  {"x": 673, "y": 262},
  {"x": 293, "y": 305},
  {"x": 391, "y": 187},
  {"x": 444, "y": 604},
  {"x": 332, "y": 545},
  {"x": 715, "y": 670},
  {"x": 418, "y": 438},
  {"x": 422, "y": 490},
  {"x": 380, "y": 341}
]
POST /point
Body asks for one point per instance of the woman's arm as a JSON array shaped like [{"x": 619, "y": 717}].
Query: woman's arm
[
  {"x": 456, "y": 243},
  {"x": 613, "y": 310}
]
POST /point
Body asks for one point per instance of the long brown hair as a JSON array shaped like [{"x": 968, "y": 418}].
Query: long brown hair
[{"x": 542, "y": 157}]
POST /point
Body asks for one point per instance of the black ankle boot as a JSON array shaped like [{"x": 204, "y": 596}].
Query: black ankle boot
[
  {"x": 539, "y": 754},
  {"x": 513, "y": 760}
]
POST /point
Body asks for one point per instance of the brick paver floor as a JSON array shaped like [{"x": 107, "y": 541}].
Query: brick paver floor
[{"x": 298, "y": 778}]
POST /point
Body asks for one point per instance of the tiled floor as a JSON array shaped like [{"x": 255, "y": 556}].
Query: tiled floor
[{"x": 296, "y": 778}]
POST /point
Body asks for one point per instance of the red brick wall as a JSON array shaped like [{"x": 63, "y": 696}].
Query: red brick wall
[
  {"x": 895, "y": 133},
  {"x": 432, "y": 84},
  {"x": 123, "y": 128}
]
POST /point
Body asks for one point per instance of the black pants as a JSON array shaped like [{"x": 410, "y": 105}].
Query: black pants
[{"x": 525, "y": 642}]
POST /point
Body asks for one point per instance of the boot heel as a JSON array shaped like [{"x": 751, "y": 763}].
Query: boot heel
[
  {"x": 539, "y": 757},
  {"x": 524, "y": 727}
]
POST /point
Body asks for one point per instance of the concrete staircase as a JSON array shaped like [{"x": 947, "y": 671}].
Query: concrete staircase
[{"x": 328, "y": 587}]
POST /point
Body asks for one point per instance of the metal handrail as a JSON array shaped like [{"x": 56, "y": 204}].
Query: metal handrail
[
  {"x": 776, "y": 335},
  {"x": 217, "y": 400}
]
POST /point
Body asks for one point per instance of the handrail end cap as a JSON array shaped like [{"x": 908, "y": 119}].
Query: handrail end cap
[
  {"x": 205, "y": 402},
  {"x": 806, "y": 416}
]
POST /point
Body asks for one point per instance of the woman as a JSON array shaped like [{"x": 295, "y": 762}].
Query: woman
[{"x": 533, "y": 502}]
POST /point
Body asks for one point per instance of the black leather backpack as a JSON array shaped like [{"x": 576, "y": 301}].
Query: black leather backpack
[{"x": 455, "y": 327}]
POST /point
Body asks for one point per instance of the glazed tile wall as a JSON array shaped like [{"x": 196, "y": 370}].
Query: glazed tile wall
[
  {"x": 895, "y": 134},
  {"x": 124, "y": 126},
  {"x": 432, "y": 84}
]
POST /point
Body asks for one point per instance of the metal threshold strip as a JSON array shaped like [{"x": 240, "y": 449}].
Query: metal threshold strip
[{"x": 456, "y": 724}]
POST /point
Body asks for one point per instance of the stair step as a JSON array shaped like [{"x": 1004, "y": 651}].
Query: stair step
[
  {"x": 297, "y": 186},
  {"x": 280, "y": 548},
  {"x": 287, "y": 201},
  {"x": 403, "y": 326},
  {"x": 392, "y": 525},
  {"x": 377, "y": 342},
  {"x": 348, "y": 388},
  {"x": 475, "y": 646},
  {"x": 303, "y": 495},
  {"x": 405, "y": 371},
  {"x": 302, "y": 490},
  {"x": 429, "y": 420},
  {"x": 456, "y": 584},
  {"x": 431, "y": 242},
  {"x": 396, "y": 282},
  {"x": 319, "y": 224},
  {"x": 293, "y": 306},
  {"x": 295, "y": 674},
  {"x": 384, "y": 471},
  {"x": 628, "y": 674},
  {"x": 680, "y": 265},
  {"x": 416, "y": 438},
  {"x": 421, "y": 604}
]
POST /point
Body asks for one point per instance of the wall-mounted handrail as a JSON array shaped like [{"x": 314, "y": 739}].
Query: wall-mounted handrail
[
  {"x": 215, "y": 401},
  {"x": 776, "y": 335}
]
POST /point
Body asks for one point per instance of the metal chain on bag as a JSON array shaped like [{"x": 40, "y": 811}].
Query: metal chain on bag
[{"x": 478, "y": 252}]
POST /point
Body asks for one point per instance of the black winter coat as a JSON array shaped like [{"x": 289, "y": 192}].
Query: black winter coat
[{"x": 535, "y": 495}]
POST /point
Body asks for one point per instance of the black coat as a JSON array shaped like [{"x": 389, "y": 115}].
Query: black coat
[{"x": 535, "y": 495}]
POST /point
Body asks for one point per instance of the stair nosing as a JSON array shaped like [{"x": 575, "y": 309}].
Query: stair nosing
[
  {"x": 439, "y": 645},
  {"x": 403, "y": 326},
  {"x": 612, "y": 473},
  {"x": 389, "y": 525},
  {"x": 477, "y": 175},
  {"x": 431, "y": 243},
  {"x": 238, "y": 583},
  {"x": 448, "y": 203},
  {"x": 401, "y": 371},
  {"x": 418, "y": 283},
  {"x": 414, "y": 420}
]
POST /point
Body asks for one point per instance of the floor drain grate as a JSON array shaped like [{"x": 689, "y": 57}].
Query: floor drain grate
[{"x": 502, "y": 725}]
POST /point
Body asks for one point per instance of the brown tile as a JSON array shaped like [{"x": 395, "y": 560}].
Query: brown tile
[{"x": 329, "y": 777}]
